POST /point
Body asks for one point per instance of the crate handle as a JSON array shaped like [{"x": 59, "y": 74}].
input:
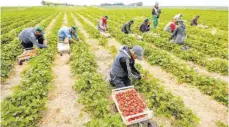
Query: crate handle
[{"x": 123, "y": 88}]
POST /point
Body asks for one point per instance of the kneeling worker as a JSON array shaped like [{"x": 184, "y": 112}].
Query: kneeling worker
[
  {"x": 126, "y": 27},
  {"x": 123, "y": 67},
  {"x": 145, "y": 26},
  {"x": 102, "y": 25},
  {"x": 30, "y": 37},
  {"x": 194, "y": 21},
  {"x": 178, "y": 35}
]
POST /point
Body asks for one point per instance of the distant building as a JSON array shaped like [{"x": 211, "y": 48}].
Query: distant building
[
  {"x": 115, "y": 4},
  {"x": 136, "y": 4}
]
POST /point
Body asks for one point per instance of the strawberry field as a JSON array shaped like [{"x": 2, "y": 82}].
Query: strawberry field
[{"x": 183, "y": 88}]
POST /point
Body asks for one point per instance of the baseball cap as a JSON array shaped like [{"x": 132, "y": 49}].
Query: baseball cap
[
  {"x": 75, "y": 29},
  {"x": 138, "y": 50},
  {"x": 38, "y": 28}
]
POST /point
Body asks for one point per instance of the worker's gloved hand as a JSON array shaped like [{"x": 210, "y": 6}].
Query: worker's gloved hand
[{"x": 139, "y": 77}]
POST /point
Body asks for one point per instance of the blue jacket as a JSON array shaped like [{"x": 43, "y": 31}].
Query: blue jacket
[{"x": 65, "y": 32}]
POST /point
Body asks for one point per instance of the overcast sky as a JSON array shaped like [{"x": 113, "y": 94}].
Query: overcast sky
[{"x": 97, "y": 2}]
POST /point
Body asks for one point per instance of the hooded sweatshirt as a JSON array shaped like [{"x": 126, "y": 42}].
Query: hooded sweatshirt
[
  {"x": 145, "y": 26},
  {"x": 179, "y": 34},
  {"x": 123, "y": 65}
]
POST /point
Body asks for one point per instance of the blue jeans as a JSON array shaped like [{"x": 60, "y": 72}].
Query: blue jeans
[{"x": 61, "y": 39}]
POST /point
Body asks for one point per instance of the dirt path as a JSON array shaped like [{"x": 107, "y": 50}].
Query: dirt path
[
  {"x": 208, "y": 110},
  {"x": 65, "y": 21},
  {"x": 104, "y": 61},
  {"x": 15, "y": 76},
  {"x": 63, "y": 109},
  {"x": 203, "y": 71},
  {"x": 13, "y": 80}
]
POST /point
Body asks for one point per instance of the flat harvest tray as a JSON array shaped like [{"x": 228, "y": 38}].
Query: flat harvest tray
[
  {"x": 62, "y": 47},
  {"x": 27, "y": 54},
  {"x": 148, "y": 113}
]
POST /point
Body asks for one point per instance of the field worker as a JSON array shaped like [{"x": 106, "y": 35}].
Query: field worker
[
  {"x": 123, "y": 67},
  {"x": 178, "y": 17},
  {"x": 178, "y": 35},
  {"x": 67, "y": 32},
  {"x": 126, "y": 27},
  {"x": 171, "y": 26},
  {"x": 102, "y": 25},
  {"x": 194, "y": 21},
  {"x": 29, "y": 37},
  {"x": 156, "y": 14},
  {"x": 145, "y": 26}
]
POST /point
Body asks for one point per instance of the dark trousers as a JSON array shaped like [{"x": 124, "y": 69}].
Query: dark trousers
[
  {"x": 120, "y": 82},
  {"x": 27, "y": 45},
  {"x": 61, "y": 39}
]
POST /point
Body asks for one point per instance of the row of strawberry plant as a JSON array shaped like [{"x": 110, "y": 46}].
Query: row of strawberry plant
[
  {"x": 94, "y": 33},
  {"x": 25, "y": 20},
  {"x": 218, "y": 65},
  {"x": 9, "y": 18},
  {"x": 13, "y": 49},
  {"x": 205, "y": 47},
  {"x": 200, "y": 44},
  {"x": 91, "y": 86},
  {"x": 161, "y": 101},
  {"x": 8, "y": 37},
  {"x": 208, "y": 85},
  {"x": 24, "y": 107}
]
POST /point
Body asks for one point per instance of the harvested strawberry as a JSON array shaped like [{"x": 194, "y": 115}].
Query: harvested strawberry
[{"x": 130, "y": 103}]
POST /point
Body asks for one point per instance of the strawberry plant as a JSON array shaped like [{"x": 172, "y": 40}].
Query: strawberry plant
[
  {"x": 161, "y": 101},
  {"x": 24, "y": 107},
  {"x": 15, "y": 48},
  {"x": 91, "y": 87},
  {"x": 183, "y": 72}
]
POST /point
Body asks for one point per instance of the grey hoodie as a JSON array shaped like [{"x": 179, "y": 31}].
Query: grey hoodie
[
  {"x": 179, "y": 34},
  {"x": 28, "y": 36}
]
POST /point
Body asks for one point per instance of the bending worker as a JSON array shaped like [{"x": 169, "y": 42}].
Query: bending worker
[
  {"x": 171, "y": 26},
  {"x": 178, "y": 35},
  {"x": 126, "y": 27},
  {"x": 30, "y": 37},
  {"x": 102, "y": 25},
  {"x": 194, "y": 21},
  {"x": 123, "y": 67},
  {"x": 145, "y": 26},
  {"x": 67, "y": 32}
]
